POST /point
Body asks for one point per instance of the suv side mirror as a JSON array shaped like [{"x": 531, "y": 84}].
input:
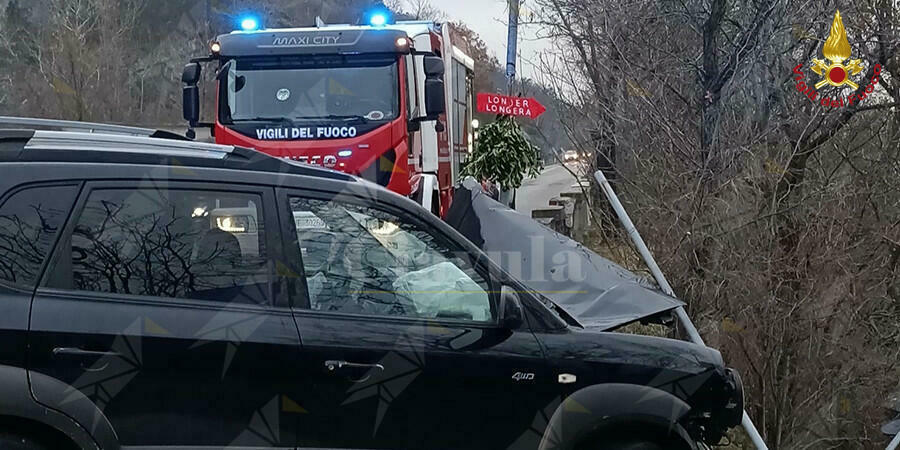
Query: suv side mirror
[
  {"x": 510, "y": 309},
  {"x": 434, "y": 98}
]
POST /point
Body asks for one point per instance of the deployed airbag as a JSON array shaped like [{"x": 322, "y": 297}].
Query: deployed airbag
[{"x": 443, "y": 290}]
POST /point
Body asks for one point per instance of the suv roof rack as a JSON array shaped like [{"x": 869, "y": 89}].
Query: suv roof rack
[
  {"x": 85, "y": 127},
  {"x": 67, "y": 140},
  {"x": 80, "y": 146}
]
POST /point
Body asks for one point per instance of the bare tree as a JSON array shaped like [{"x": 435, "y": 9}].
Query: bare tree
[
  {"x": 417, "y": 9},
  {"x": 775, "y": 215}
]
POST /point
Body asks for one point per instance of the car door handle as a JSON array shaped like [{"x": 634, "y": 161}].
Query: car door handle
[
  {"x": 336, "y": 365},
  {"x": 80, "y": 352}
]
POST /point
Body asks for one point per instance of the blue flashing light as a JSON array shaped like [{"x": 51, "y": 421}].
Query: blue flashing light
[
  {"x": 249, "y": 23},
  {"x": 378, "y": 16},
  {"x": 378, "y": 19}
]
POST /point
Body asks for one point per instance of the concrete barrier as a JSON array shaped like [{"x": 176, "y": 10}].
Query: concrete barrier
[
  {"x": 568, "y": 214},
  {"x": 568, "y": 207},
  {"x": 580, "y": 220},
  {"x": 553, "y": 217}
]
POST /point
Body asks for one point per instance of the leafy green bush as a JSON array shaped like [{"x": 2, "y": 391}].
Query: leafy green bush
[{"x": 503, "y": 155}]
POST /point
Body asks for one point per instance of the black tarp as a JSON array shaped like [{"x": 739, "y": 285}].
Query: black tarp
[{"x": 595, "y": 291}]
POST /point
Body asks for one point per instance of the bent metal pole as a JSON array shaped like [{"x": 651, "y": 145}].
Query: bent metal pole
[
  {"x": 895, "y": 443},
  {"x": 683, "y": 318}
]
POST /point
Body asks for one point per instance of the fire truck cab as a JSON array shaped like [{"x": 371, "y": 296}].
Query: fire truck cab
[{"x": 389, "y": 103}]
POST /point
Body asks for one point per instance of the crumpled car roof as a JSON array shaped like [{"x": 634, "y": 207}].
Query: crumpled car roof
[{"x": 595, "y": 291}]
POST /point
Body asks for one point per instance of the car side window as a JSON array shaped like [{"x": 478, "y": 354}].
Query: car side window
[
  {"x": 192, "y": 244},
  {"x": 360, "y": 260},
  {"x": 29, "y": 222}
]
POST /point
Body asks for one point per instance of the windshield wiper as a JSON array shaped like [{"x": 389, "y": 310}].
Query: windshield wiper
[
  {"x": 288, "y": 121},
  {"x": 347, "y": 117},
  {"x": 283, "y": 120},
  {"x": 337, "y": 117}
]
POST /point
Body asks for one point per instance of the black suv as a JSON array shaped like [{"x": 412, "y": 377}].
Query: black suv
[{"x": 156, "y": 293}]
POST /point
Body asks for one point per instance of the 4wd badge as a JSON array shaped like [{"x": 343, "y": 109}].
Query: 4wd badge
[{"x": 520, "y": 376}]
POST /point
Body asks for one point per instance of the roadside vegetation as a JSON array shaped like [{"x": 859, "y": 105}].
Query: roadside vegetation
[
  {"x": 503, "y": 155},
  {"x": 775, "y": 218}
]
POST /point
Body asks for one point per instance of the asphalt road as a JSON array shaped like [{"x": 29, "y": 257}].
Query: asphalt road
[{"x": 537, "y": 192}]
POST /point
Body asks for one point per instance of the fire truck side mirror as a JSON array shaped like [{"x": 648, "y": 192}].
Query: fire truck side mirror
[
  {"x": 191, "y": 74},
  {"x": 191, "y": 104},
  {"x": 434, "y": 98},
  {"x": 433, "y": 66},
  {"x": 190, "y": 95}
]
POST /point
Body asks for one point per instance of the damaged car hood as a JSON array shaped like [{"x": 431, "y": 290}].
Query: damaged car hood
[{"x": 592, "y": 289}]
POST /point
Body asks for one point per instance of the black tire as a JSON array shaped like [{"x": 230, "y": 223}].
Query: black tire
[{"x": 12, "y": 441}]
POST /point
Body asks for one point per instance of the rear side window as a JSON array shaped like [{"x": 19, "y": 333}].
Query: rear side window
[
  {"x": 29, "y": 221},
  {"x": 203, "y": 245}
]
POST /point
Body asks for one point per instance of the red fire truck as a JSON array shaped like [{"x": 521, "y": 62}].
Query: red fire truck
[{"x": 391, "y": 103}]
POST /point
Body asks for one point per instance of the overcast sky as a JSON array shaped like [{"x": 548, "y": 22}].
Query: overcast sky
[{"x": 488, "y": 18}]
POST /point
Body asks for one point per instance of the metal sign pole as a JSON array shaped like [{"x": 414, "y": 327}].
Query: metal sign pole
[
  {"x": 512, "y": 41},
  {"x": 666, "y": 287}
]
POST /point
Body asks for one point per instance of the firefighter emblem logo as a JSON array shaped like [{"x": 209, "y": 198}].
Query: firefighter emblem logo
[
  {"x": 834, "y": 72},
  {"x": 837, "y": 50}
]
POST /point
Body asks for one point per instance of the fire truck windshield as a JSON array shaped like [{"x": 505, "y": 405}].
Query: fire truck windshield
[{"x": 315, "y": 89}]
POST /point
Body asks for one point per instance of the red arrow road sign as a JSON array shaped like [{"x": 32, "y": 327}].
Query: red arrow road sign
[{"x": 509, "y": 106}]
